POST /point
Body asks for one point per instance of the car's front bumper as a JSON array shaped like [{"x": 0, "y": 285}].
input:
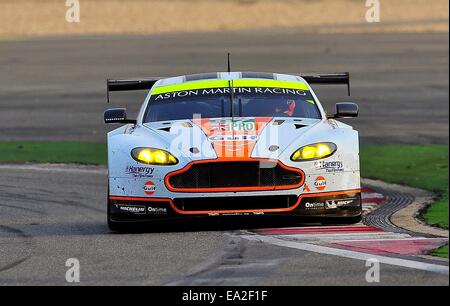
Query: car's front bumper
[{"x": 329, "y": 204}]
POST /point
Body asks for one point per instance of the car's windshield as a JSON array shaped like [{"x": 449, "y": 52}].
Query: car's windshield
[{"x": 215, "y": 103}]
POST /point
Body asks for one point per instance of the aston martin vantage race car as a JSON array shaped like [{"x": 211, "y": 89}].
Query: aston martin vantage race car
[{"x": 232, "y": 143}]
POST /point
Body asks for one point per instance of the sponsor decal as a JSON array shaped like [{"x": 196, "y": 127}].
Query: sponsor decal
[
  {"x": 149, "y": 188},
  {"x": 226, "y": 125},
  {"x": 314, "y": 205},
  {"x": 139, "y": 171},
  {"x": 244, "y": 125},
  {"x": 233, "y": 138},
  {"x": 228, "y": 130},
  {"x": 320, "y": 183},
  {"x": 222, "y": 91},
  {"x": 134, "y": 209},
  {"x": 330, "y": 166},
  {"x": 334, "y": 204},
  {"x": 157, "y": 210}
]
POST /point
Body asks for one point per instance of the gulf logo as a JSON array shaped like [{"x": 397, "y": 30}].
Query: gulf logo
[
  {"x": 320, "y": 183},
  {"x": 149, "y": 188}
]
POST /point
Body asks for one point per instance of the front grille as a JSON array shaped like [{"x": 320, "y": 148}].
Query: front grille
[
  {"x": 236, "y": 175},
  {"x": 235, "y": 203}
]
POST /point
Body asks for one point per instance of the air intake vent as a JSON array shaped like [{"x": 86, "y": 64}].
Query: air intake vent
[
  {"x": 235, "y": 203},
  {"x": 234, "y": 176}
]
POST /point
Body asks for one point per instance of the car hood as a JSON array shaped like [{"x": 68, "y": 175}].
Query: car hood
[{"x": 227, "y": 138}]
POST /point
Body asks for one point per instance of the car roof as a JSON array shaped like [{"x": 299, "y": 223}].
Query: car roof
[{"x": 229, "y": 76}]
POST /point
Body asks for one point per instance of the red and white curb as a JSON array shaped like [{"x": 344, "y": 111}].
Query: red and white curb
[
  {"x": 365, "y": 256},
  {"x": 359, "y": 238},
  {"x": 356, "y": 241},
  {"x": 370, "y": 199}
]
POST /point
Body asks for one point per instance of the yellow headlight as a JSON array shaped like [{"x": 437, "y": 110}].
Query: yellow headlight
[
  {"x": 323, "y": 150},
  {"x": 160, "y": 157},
  {"x": 308, "y": 152},
  {"x": 153, "y": 156},
  {"x": 145, "y": 156},
  {"x": 314, "y": 151}
]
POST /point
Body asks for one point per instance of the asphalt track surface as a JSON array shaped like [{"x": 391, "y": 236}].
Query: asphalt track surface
[
  {"x": 54, "y": 89},
  {"x": 48, "y": 216}
]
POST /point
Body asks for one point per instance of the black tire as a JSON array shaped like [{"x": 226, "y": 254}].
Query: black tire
[{"x": 342, "y": 220}]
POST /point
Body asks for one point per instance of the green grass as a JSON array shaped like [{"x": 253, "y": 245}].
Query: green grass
[
  {"x": 423, "y": 167},
  {"x": 441, "y": 252},
  {"x": 53, "y": 152}
]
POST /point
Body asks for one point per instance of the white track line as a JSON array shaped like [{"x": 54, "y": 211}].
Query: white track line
[
  {"x": 319, "y": 227},
  {"x": 350, "y": 254},
  {"x": 341, "y": 237},
  {"x": 395, "y": 239}
]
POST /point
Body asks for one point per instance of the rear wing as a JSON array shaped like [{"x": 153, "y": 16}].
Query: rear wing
[
  {"x": 340, "y": 78},
  {"x": 128, "y": 85}
]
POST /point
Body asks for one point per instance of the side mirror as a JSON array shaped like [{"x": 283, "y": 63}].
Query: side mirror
[
  {"x": 346, "y": 110},
  {"x": 117, "y": 115}
]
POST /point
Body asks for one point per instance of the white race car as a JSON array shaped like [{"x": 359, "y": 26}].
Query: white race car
[{"x": 232, "y": 143}]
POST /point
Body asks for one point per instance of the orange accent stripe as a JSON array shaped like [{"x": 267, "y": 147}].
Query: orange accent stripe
[
  {"x": 139, "y": 199},
  {"x": 232, "y": 149},
  {"x": 232, "y": 189}
]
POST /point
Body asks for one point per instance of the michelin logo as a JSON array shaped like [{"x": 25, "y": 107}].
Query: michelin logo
[{"x": 140, "y": 210}]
